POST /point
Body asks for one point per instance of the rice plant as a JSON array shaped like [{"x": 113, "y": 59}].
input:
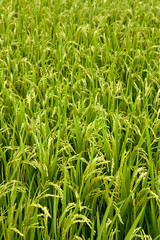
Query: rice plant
[{"x": 79, "y": 119}]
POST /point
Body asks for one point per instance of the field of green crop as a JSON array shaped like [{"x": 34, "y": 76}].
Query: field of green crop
[{"x": 79, "y": 119}]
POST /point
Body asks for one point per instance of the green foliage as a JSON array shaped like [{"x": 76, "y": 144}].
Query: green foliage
[{"x": 79, "y": 119}]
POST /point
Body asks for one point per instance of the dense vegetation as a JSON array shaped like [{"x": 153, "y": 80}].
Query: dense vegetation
[{"x": 79, "y": 119}]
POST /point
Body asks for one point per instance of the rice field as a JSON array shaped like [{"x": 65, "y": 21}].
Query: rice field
[{"x": 79, "y": 119}]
